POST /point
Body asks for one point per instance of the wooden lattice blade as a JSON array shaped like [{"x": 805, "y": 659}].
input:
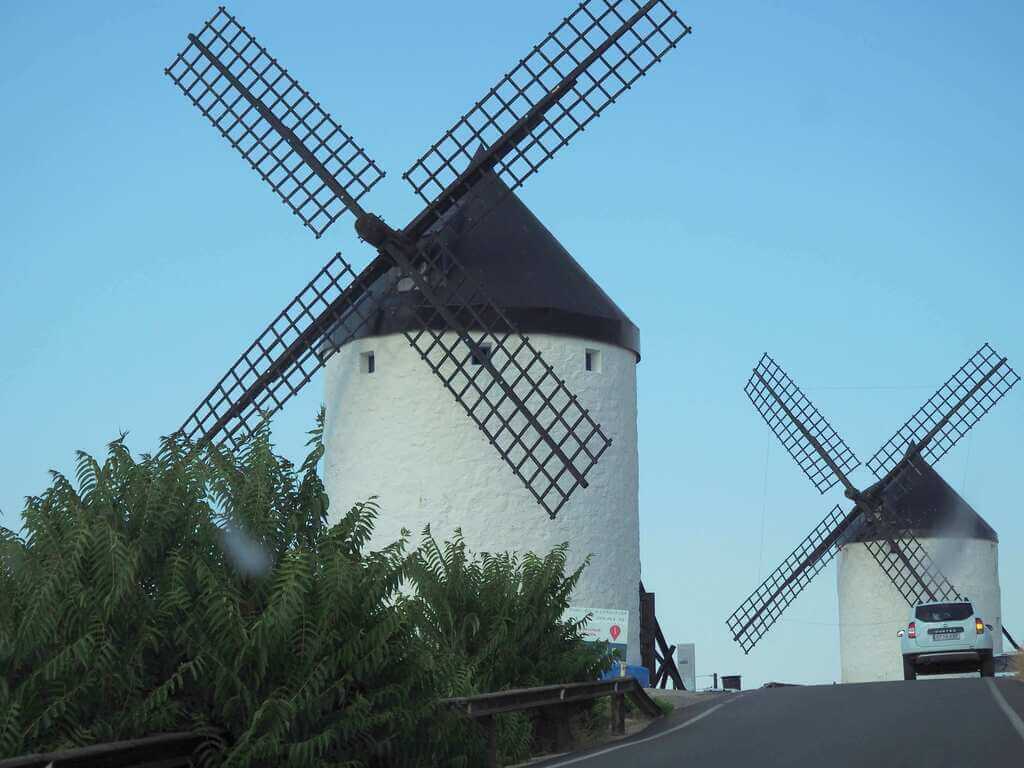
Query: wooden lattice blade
[
  {"x": 331, "y": 310},
  {"x": 314, "y": 166},
  {"x": 803, "y": 431},
  {"x": 950, "y": 413},
  {"x": 890, "y": 537},
  {"x": 559, "y": 87},
  {"x": 911, "y": 569},
  {"x": 524, "y": 409},
  {"x": 765, "y": 605}
]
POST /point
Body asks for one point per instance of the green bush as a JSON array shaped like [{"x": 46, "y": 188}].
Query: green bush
[
  {"x": 206, "y": 591},
  {"x": 493, "y": 622},
  {"x": 125, "y": 615}
]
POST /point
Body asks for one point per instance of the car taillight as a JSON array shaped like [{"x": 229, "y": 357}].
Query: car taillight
[
  {"x": 912, "y": 630},
  {"x": 979, "y": 626}
]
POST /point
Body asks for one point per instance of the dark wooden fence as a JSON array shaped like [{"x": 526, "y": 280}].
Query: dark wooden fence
[
  {"x": 556, "y": 704},
  {"x": 168, "y": 750},
  {"x": 655, "y": 653},
  {"x": 173, "y": 750}
]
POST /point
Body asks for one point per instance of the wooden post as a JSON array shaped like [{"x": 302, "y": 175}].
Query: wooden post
[
  {"x": 664, "y": 672},
  {"x": 558, "y": 719},
  {"x": 618, "y": 720},
  {"x": 647, "y": 631},
  {"x": 490, "y": 724},
  {"x": 564, "y": 734}
]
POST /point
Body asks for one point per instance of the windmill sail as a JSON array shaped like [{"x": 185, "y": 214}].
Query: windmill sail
[
  {"x": 537, "y": 425},
  {"x": 950, "y": 413},
  {"x": 273, "y": 122},
  {"x": 590, "y": 59},
  {"x": 765, "y": 605},
  {"x": 909, "y": 566},
  {"x": 808, "y": 437},
  {"x": 284, "y": 357}
]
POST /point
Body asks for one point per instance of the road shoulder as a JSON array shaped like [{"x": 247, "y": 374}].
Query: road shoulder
[
  {"x": 1011, "y": 694},
  {"x": 695, "y": 706}
]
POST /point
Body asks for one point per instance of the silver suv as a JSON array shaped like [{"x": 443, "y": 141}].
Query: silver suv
[{"x": 945, "y": 638}]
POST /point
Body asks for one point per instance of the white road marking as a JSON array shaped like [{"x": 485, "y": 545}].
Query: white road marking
[
  {"x": 1012, "y": 716},
  {"x": 666, "y": 732}
]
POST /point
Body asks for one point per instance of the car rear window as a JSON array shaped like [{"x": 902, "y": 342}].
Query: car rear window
[{"x": 944, "y": 612}]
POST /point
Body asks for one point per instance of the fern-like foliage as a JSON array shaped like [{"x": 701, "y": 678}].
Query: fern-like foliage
[
  {"x": 492, "y": 622},
  {"x": 208, "y": 591},
  {"x": 129, "y": 609}
]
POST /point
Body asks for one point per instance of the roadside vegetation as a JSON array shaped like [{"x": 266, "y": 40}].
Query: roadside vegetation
[{"x": 209, "y": 592}]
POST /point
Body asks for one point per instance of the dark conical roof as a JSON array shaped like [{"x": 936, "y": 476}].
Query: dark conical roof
[
  {"x": 933, "y": 509},
  {"x": 524, "y": 269}
]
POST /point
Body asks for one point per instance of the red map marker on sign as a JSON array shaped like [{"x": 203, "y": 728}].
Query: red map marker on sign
[{"x": 615, "y": 631}]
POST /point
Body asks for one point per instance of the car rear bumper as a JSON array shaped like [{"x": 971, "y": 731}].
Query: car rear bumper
[
  {"x": 949, "y": 657},
  {"x": 948, "y": 662}
]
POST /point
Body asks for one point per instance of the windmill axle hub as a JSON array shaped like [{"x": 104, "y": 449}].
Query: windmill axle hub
[{"x": 371, "y": 228}]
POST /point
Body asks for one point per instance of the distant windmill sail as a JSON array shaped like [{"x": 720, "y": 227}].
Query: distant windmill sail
[
  {"x": 535, "y": 423},
  {"x": 800, "y": 427},
  {"x": 950, "y": 413}
]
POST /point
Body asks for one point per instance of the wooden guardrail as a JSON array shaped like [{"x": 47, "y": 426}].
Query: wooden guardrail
[
  {"x": 167, "y": 750},
  {"x": 554, "y": 700},
  {"x": 173, "y": 750}
]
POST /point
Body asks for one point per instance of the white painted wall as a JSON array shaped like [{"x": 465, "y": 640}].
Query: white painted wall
[
  {"x": 398, "y": 434},
  {"x": 871, "y": 611}
]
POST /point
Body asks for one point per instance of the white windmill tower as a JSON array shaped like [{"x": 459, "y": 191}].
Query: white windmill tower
[
  {"x": 391, "y": 431},
  {"x": 417, "y": 313},
  {"x": 872, "y": 610},
  {"x": 909, "y": 537}
]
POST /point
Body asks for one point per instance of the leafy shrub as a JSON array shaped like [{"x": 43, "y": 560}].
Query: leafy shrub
[
  {"x": 125, "y": 614},
  {"x": 206, "y": 591},
  {"x": 493, "y": 622}
]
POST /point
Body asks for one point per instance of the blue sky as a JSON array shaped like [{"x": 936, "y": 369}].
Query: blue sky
[{"x": 838, "y": 185}]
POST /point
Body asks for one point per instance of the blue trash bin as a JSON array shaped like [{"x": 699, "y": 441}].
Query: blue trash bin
[{"x": 642, "y": 674}]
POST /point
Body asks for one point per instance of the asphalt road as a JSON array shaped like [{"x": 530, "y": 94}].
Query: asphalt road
[{"x": 933, "y": 723}]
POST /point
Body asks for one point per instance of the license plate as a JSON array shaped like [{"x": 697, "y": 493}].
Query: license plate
[{"x": 947, "y": 636}]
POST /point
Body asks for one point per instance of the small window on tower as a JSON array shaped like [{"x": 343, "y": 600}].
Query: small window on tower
[
  {"x": 592, "y": 360},
  {"x": 367, "y": 364},
  {"x": 484, "y": 353}
]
